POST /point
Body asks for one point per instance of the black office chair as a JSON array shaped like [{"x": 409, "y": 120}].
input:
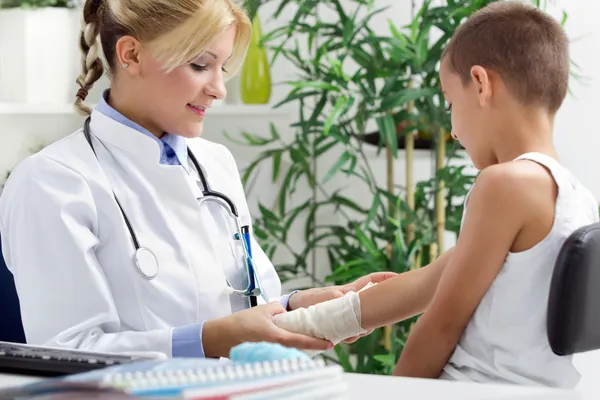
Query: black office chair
[
  {"x": 11, "y": 327},
  {"x": 573, "y": 322}
]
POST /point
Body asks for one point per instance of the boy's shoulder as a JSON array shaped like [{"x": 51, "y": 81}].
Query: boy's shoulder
[{"x": 516, "y": 182}]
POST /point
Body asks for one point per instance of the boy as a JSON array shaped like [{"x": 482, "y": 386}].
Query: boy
[{"x": 504, "y": 75}]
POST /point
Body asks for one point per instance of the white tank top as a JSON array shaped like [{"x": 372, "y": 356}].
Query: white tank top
[{"x": 505, "y": 341}]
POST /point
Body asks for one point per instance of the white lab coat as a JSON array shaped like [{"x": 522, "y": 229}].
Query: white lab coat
[{"x": 67, "y": 245}]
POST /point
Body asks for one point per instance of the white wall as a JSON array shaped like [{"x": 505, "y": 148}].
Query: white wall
[{"x": 577, "y": 137}]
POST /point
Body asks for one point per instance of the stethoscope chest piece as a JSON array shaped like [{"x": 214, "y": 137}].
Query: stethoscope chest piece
[{"x": 146, "y": 263}]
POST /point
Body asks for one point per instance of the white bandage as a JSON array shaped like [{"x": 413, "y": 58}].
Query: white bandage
[{"x": 333, "y": 320}]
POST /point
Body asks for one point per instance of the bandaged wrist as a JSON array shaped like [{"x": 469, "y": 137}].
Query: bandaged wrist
[{"x": 333, "y": 320}]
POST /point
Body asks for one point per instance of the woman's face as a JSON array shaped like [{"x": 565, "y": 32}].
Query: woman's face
[{"x": 177, "y": 102}]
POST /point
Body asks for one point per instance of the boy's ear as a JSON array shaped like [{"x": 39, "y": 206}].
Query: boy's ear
[{"x": 481, "y": 82}]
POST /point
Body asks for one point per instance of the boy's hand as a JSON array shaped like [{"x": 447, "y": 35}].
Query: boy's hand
[{"x": 309, "y": 297}]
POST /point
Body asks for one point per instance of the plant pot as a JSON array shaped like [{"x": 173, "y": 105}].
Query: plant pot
[
  {"x": 423, "y": 140},
  {"x": 38, "y": 48},
  {"x": 420, "y": 143}
]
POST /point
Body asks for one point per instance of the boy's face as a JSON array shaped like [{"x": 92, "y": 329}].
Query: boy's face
[{"x": 467, "y": 115}]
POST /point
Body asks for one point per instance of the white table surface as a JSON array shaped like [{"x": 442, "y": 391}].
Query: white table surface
[{"x": 376, "y": 387}]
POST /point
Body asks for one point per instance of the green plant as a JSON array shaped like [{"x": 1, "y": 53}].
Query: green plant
[
  {"x": 252, "y": 6},
  {"x": 38, "y": 3},
  {"x": 354, "y": 79}
]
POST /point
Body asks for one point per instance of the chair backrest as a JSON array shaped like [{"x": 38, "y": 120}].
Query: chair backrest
[
  {"x": 573, "y": 322},
  {"x": 11, "y": 327}
]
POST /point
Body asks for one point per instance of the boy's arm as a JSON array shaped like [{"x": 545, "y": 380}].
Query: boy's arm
[
  {"x": 497, "y": 211},
  {"x": 402, "y": 296}
]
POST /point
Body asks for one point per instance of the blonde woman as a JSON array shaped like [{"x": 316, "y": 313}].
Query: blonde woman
[{"x": 120, "y": 237}]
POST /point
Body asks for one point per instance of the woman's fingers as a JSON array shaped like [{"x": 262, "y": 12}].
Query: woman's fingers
[{"x": 299, "y": 341}]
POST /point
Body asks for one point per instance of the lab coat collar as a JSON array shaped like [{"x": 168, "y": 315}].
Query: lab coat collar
[
  {"x": 177, "y": 143},
  {"x": 136, "y": 143}
]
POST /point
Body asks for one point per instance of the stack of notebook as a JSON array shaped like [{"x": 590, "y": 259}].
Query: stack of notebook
[{"x": 198, "y": 379}]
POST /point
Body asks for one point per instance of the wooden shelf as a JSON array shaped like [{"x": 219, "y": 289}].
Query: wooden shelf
[{"x": 228, "y": 110}]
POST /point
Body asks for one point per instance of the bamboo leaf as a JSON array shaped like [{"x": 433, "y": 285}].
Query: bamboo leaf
[
  {"x": 251, "y": 7},
  {"x": 366, "y": 242},
  {"x": 341, "y": 161},
  {"x": 270, "y": 252},
  {"x": 310, "y": 222},
  {"x": 276, "y": 165},
  {"x": 314, "y": 85},
  {"x": 343, "y": 358},
  {"x": 318, "y": 110},
  {"x": 350, "y": 169},
  {"x": 253, "y": 140},
  {"x": 300, "y": 160},
  {"x": 297, "y": 95},
  {"x": 338, "y": 109},
  {"x": 387, "y": 130},
  {"x": 340, "y": 200},
  {"x": 373, "y": 211},
  {"x": 323, "y": 149},
  {"x": 274, "y": 133},
  {"x": 268, "y": 214},
  {"x": 291, "y": 218},
  {"x": 285, "y": 189},
  {"x": 403, "y": 98}
]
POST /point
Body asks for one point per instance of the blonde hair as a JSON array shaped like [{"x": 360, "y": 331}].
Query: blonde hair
[{"x": 176, "y": 30}]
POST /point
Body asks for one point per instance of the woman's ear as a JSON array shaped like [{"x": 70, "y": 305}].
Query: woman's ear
[
  {"x": 480, "y": 78},
  {"x": 128, "y": 59}
]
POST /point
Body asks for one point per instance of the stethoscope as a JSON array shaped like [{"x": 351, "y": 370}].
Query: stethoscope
[{"x": 147, "y": 263}]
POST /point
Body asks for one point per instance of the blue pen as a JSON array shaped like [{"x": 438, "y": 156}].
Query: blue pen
[{"x": 246, "y": 237}]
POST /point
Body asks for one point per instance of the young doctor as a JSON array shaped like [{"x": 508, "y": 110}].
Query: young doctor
[{"x": 120, "y": 237}]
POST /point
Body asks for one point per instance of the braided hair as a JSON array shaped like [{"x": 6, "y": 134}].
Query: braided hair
[{"x": 92, "y": 67}]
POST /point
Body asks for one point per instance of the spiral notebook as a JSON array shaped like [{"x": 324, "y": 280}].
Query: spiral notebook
[
  {"x": 204, "y": 379},
  {"x": 195, "y": 378}
]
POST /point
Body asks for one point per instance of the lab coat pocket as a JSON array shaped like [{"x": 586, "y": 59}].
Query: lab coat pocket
[{"x": 171, "y": 297}]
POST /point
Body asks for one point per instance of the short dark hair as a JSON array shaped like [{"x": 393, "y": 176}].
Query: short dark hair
[{"x": 525, "y": 46}]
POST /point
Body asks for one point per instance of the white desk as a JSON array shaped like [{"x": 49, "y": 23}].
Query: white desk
[{"x": 374, "y": 387}]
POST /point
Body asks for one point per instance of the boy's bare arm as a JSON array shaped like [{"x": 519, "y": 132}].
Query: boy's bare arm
[
  {"x": 402, "y": 296},
  {"x": 498, "y": 207}
]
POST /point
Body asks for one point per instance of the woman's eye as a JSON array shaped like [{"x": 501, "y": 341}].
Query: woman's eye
[
  {"x": 449, "y": 107},
  {"x": 197, "y": 67}
]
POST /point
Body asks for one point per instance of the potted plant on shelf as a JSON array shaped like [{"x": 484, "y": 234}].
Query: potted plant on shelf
[{"x": 38, "y": 50}]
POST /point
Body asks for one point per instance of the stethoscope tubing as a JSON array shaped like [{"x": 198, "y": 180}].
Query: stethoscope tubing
[{"x": 208, "y": 195}]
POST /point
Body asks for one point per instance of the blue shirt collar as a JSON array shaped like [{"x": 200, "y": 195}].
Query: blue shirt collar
[{"x": 177, "y": 143}]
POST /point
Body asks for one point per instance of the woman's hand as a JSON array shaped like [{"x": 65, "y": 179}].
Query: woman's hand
[
  {"x": 309, "y": 297},
  {"x": 253, "y": 325}
]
